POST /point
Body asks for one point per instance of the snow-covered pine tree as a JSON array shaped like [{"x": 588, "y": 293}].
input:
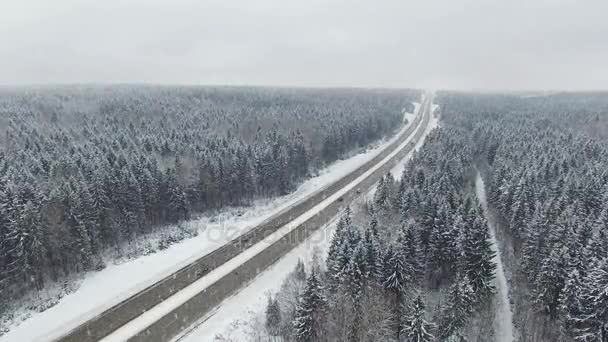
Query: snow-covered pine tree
[
  {"x": 88, "y": 215},
  {"x": 177, "y": 201},
  {"x": 381, "y": 194},
  {"x": 550, "y": 281},
  {"x": 273, "y": 317},
  {"x": 409, "y": 246},
  {"x": 398, "y": 277},
  {"x": 338, "y": 255},
  {"x": 310, "y": 320},
  {"x": 597, "y": 248},
  {"x": 591, "y": 325},
  {"x": 442, "y": 250},
  {"x": 4, "y": 245},
  {"x": 373, "y": 223},
  {"x": 598, "y": 243},
  {"x": 479, "y": 256},
  {"x": 400, "y": 202},
  {"x": 373, "y": 254},
  {"x": 356, "y": 275},
  {"x": 571, "y": 300},
  {"x": 457, "y": 309},
  {"x": 348, "y": 217},
  {"x": 337, "y": 269},
  {"x": 28, "y": 238},
  {"x": 414, "y": 326},
  {"x": 534, "y": 245}
]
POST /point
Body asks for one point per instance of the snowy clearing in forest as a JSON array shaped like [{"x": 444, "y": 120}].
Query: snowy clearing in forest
[
  {"x": 503, "y": 322},
  {"x": 232, "y": 320},
  {"x": 101, "y": 290}
]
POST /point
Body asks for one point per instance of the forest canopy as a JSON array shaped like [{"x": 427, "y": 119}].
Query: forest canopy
[{"x": 90, "y": 169}]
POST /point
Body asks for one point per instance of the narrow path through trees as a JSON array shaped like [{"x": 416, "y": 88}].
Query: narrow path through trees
[{"x": 503, "y": 321}]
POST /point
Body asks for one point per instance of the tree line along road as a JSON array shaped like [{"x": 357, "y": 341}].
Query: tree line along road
[{"x": 190, "y": 311}]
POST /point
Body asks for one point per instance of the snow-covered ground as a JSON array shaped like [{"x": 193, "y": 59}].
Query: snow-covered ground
[
  {"x": 101, "y": 290},
  {"x": 503, "y": 322},
  {"x": 231, "y": 320}
]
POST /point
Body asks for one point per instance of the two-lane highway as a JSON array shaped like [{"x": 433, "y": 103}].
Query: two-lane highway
[{"x": 161, "y": 311}]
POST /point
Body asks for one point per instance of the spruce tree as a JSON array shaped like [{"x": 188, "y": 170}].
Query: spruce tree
[
  {"x": 592, "y": 322},
  {"x": 381, "y": 194},
  {"x": 397, "y": 280},
  {"x": 338, "y": 256},
  {"x": 571, "y": 301},
  {"x": 309, "y": 323},
  {"x": 534, "y": 245},
  {"x": 372, "y": 256},
  {"x": 550, "y": 281},
  {"x": 398, "y": 275},
  {"x": 458, "y": 308},
  {"x": 357, "y": 272},
  {"x": 408, "y": 246},
  {"x": 479, "y": 258},
  {"x": 415, "y": 327},
  {"x": 273, "y": 317}
]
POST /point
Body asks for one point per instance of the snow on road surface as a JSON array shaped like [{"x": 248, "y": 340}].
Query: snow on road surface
[
  {"x": 101, "y": 290},
  {"x": 232, "y": 317},
  {"x": 503, "y": 321}
]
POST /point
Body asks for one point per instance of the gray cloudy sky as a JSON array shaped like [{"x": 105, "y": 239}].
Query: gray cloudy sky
[{"x": 456, "y": 44}]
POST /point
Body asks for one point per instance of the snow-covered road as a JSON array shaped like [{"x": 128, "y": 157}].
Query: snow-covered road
[{"x": 503, "y": 321}]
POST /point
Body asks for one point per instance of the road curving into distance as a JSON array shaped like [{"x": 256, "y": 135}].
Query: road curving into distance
[{"x": 173, "y": 321}]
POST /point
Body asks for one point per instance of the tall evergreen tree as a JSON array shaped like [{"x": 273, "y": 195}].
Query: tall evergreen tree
[
  {"x": 479, "y": 257},
  {"x": 373, "y": 254},
  {"x": 415, "y": 327},
  {"x": 273, "y": 317},
  {"x": 591, "y": 325},
  {"x": 550, "y": 281},
  {"x": 311, "y": 311},
  {"x": 458, "y": 308}
]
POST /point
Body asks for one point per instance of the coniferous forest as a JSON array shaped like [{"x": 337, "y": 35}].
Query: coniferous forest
[
  {"x": 416, "y": 262},
  {"x": 86, "y": 171},
  {"x": 546, "y": 162}
]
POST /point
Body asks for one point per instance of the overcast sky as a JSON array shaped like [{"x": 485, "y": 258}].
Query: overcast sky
[{"x": 441, "y": 44}]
